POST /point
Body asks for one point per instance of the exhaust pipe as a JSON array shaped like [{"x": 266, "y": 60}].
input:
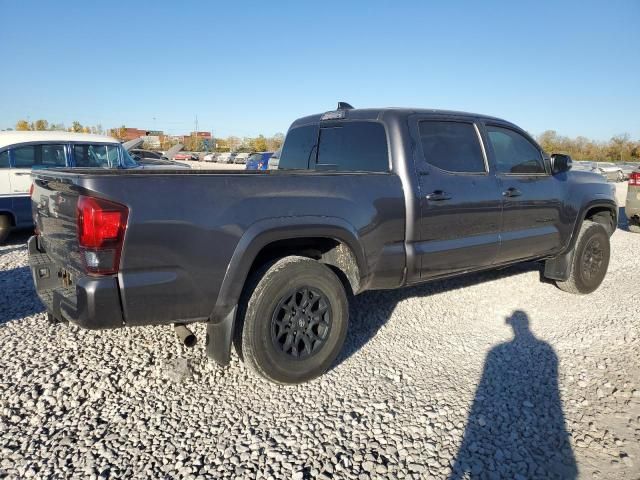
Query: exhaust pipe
[{"x": 185, "y": 335}]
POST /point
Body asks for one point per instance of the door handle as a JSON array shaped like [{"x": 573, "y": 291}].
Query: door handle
[
  {"x": 21, "y": 174},
  {"x": 511, "y": 192},
  {"x": 438, "y": 196}
]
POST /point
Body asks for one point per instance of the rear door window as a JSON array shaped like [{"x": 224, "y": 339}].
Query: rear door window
[
  {"x": 52, "y": 156},
  {"x": 95, "y": 156},
  {"x": 4, "y": 159},
  {"x": 451, "y": 146},
  {"x": 353, "y": 146},
  {"x": 514, "y": 154},
  {"x": 299, "y": 147}
]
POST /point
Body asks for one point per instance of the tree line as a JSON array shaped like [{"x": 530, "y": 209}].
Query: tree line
[
  {"x": 619, "y": 148},
  {"x": 261, "y": 143},
  {"x": 23, "y": 125}
]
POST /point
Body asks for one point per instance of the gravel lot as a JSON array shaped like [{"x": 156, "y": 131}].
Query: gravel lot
[{"x": 496, "y": 375}]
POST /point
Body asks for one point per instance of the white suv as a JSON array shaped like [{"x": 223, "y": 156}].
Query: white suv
[{"x": 22, "y": 151}]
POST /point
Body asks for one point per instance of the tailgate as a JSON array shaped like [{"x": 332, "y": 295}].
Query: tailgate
[{"x": 54, "y": 202}]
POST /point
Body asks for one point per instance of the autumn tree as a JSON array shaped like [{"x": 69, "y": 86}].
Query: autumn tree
[
  {"x": 22, "y": 125},
  {"x": 259, "y": 144},
  {"x": 76, "y": 127},
  {"x": 41, "y": 125}
]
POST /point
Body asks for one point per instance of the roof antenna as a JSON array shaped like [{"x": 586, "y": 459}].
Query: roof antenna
[{"x": 344, "y": 106}]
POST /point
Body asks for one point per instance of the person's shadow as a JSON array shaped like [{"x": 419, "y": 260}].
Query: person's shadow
[{"x": 516, "y": 426}]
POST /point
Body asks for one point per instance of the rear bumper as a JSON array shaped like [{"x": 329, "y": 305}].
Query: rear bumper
[{"x": 90, "y": 302}]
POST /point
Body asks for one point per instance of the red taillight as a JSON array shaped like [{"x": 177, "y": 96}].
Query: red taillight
[
  {"x": 634, "y": 178},
  {"x": 101, "y": 227}
]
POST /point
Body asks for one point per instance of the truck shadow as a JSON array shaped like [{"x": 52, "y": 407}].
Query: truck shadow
[
  {"x": 20, "y": 297},
  {"x": 516, "y": 426},
  {"x": 369, "y": 311}
]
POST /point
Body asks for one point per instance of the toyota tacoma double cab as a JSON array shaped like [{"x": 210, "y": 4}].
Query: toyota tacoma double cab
[{"x": 362, "y": 199}]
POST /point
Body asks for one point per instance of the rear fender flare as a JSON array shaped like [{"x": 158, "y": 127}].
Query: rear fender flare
[{"x": 267, "y": 231}]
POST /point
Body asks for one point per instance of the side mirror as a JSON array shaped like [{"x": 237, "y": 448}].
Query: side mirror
[{"x": 560, "y": 163}]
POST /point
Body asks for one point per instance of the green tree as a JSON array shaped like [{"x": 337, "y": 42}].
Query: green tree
[{"x": 76, "y": 127}]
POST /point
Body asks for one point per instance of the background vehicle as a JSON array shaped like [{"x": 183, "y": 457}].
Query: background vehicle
[
  {"x": 610, "y": 171},
  {"x": 151, "y": 159},
  {"x": 259, "y": 161},
  {"x": 275, "y": 160},
  {"x": 632, "y": 207},
  {"x": 147, "y": 154},
  {"x": 20, "y": 152},
  {"x": 362, "y": 199},
  {"x": 226, "y": 157},
  {"x": 628, "y": 168},
  {"x": 187, "y": 156},
  {"x": 210, "y": 157},
  {"x": 241, "y": 157}
]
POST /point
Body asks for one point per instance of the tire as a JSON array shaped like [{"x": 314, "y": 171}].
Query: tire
[
  {"x": 634, "y": 225},
  {"x": 275, "y": 345},
  {"x": 620, "y": 176},
  {"x": 590, "y": 260},
  {"x": 5, "y": 227}
]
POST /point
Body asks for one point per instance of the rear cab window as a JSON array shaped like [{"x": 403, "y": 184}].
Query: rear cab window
[
  {"x": 355, "y": 146},
  {"x": 342, "y": 146},
  {"x": 299, "y": 147}
]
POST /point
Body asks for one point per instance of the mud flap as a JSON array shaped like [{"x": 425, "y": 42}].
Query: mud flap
[
  {"x": 219, "y": 338},
  {"x": 559, "y": 268}
]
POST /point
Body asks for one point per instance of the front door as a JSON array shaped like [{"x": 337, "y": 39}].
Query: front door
[
  {"x": 532, "y": 197},
  {"x": 460, "y": 202}
]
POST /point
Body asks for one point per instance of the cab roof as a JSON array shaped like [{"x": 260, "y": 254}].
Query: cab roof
[
  {"x": 380, "y": 113},
  {"x": 16, "y": 137}
]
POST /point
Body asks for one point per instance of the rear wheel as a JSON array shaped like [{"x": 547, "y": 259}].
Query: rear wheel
[
  {"x": 295, "y": 317},
  {"x": 5, "y": 227},
  {"x": 634, "y": 225},
  {"x": 590, "y": 260}
]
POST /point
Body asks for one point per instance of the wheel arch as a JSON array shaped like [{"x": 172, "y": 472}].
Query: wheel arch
[{"x": 330, "y": 240}]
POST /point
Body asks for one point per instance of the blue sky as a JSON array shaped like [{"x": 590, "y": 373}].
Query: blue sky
[{"x": 253, "y": 67}]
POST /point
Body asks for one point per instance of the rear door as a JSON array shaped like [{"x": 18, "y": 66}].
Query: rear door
[
  {"x": 532, "y": 197},
  {"x": 460, "y": 202},
  {"x": 24, "y": 159}
]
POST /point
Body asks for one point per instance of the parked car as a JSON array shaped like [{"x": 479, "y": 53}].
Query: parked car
[
  {"x": 146, "y": 163},
  {"x": 609, "y": 170},
  {"x": 632, "y": 207},
  {"x": 20, "y": 152},
  {"x": 275, "y": 160},
  {"x": 210, "y": 157},
  {"x": 151, "y": 159},
  {"x": 147, "y": 154},
  {"x": 187, "y": 156},
  {"x": 241, "y": 158},
  {"x": 362, "y": 199},
  {"x": 226, "y": 157},
  {"x": 259, "y": 161},
  {"x": 628, "y": 168}
]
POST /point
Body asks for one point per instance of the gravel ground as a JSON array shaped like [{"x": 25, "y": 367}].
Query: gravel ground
[{"x": 496, "y": 375}]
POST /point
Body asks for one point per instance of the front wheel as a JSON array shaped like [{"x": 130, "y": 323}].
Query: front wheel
[
  {"x": 634, "y": 225},
  {"x": 590, "y": 260},
  {"x": 295, "y": 315}
]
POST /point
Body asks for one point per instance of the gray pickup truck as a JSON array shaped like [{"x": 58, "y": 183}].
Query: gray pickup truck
[{"x": 363, "y": 199}]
